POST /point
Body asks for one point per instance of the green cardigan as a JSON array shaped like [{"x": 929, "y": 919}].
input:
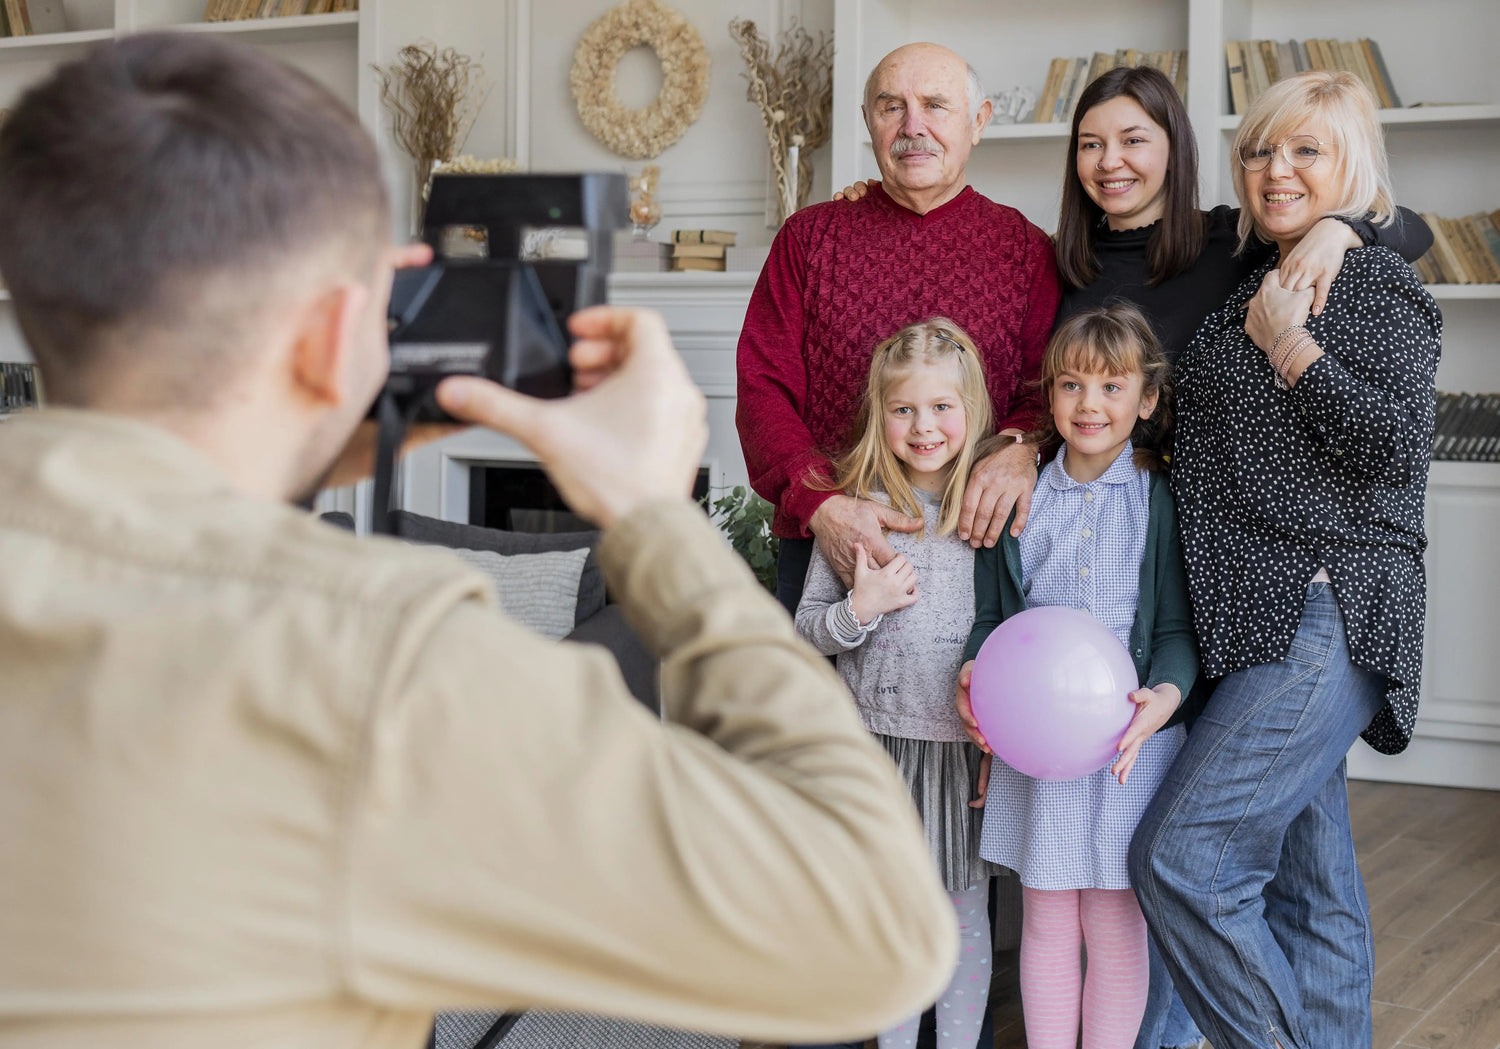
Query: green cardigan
[{"x": 1162, "y": 644}]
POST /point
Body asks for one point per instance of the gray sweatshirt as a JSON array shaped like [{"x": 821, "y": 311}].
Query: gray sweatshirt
[{"x": 902, "y": 669}]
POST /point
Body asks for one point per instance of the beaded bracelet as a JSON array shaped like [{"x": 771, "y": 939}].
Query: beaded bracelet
[
  {"x": 1293, "y": 347},
  {"x": 1278, "y": 358},
  {"x": 1283, "y": 334},
  {"x": 1282, "y": 381}
]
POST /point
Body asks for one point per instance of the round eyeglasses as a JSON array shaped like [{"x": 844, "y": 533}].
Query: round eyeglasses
[{"x": 1300, "y": 151}]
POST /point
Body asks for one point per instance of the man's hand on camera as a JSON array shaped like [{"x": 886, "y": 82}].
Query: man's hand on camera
[{"x": 633, "y": 432}]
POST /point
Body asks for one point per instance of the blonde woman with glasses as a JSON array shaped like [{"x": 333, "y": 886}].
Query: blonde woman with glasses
[{"x": 1300, "y": 471}]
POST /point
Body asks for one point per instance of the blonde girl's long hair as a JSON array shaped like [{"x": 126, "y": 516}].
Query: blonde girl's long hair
[
  {"x": 1112, "y": 339},
  {"x": 870, "y": 465}
]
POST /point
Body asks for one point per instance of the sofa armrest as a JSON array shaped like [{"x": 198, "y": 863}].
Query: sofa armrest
[{"x": 607, "y": 627}]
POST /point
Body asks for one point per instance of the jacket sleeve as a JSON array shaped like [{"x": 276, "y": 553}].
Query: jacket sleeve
[
  {"x": 1042, "y": 300},
  {"x": 1369, "y": 399},
  {"x": 523, "y": 833},
  {"x": 823, "y": 592},
  {"x": 772, "y": 385},
  {"x": 1174, "y": 645}
]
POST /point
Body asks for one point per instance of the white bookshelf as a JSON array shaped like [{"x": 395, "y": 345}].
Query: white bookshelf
[
  {"x": 334, "y": 49},
  {"x": 1444, "y": 156}
]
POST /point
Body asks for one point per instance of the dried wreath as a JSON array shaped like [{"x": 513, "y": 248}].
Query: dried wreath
[{"x": 640, "y": 133}]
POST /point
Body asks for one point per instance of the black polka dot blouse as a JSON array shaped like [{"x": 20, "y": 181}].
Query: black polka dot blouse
[{"x": 1273, "y": 484}]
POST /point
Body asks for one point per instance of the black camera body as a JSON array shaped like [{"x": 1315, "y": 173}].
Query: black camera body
[{"x": 498, "y": 306}]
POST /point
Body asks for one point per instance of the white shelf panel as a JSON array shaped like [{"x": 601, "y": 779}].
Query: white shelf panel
[
  {"x": 280, "y": 30},
  {"x": 1464, "y": 291},
  {"x": 1424, "y": 116},
  {"x": 1454, "y": 473},
  {"x": 45, "y": 41}
]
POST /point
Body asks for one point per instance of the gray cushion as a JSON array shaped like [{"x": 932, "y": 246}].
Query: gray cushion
[
  {"x": 539, "y": 590},
  {"x": 420, "y": 529}
]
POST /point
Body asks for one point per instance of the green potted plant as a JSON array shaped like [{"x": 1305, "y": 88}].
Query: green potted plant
[{"x": 745, "y": 518}]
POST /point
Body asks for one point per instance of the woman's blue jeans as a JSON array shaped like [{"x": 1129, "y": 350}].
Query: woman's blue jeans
[{"x": 1244, "y": 863}]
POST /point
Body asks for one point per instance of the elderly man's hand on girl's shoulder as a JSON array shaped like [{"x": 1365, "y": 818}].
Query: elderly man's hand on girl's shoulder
[{"x": 842, "y": 522}]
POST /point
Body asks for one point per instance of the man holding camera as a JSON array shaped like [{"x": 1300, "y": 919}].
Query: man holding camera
[{"x": 264, "y": 783}]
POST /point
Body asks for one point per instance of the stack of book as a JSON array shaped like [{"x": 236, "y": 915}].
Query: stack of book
[
  {"x": 1468, "y": 427},
  {"x": 18, "y": 389},
  {"x": 235, "y": 10},
  {"x": 32, "y": 17},
  {"x": 699, "y": 249},
  {"x": 1464, "y": 251},
  {"x": 1067, "y": 77},
  {"x": 1255, "y": 65}
]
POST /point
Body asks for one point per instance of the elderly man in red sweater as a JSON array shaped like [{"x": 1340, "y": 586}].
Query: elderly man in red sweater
[{"x": 843, "y": 275}]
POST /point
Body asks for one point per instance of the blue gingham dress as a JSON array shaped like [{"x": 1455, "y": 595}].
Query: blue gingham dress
[{"x": 1082, "y": 547}]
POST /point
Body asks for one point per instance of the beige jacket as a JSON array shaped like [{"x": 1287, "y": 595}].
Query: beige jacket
[{"x": 264, "y": 783}]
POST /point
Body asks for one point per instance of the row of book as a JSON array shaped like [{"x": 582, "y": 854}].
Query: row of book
[
  {"x": 1464, "y": 250},
  {"x": 18, "y": 388},
  {"x": 1067, "y": 77},
  {"x": 32, "y": 17},
  {"x": 235, "y": 10},
  {"x": 1467, "y": 427},
  {"x": 1255, "y": 65}
]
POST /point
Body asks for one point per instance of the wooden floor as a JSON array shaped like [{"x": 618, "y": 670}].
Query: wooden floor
[{"x": 1431, "y": 861}]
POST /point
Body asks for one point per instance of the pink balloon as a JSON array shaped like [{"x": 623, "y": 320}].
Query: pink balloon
[{"x": 1051, "y": 692}]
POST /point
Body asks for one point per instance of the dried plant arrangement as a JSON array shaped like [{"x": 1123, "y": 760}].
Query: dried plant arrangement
[
  {"x": 794, "y": 92},
  {"x": 433, "y": 96}
]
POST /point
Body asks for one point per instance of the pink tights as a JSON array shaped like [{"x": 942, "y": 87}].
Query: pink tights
[{"x": 1055, "y": 993}]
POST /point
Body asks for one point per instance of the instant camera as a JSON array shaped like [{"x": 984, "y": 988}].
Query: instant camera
[{"x": 514, "y": 255}]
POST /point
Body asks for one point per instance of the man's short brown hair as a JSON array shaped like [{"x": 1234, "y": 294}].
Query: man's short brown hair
[{"x": 155, "y": 168}]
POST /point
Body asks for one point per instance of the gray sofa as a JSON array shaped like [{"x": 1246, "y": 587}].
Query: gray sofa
[{"x": 596, "y": 619}]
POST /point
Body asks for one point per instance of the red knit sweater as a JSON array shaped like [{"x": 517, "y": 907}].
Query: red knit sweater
[{"x": 842, "y": 276}]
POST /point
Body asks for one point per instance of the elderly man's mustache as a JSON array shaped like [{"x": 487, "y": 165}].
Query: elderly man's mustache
[{"x": 920, "y": 144}]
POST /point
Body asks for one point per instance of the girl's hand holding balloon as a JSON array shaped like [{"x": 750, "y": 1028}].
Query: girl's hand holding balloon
[
  {"x": 1153, "y": 706},
  {"x": 877, "y": 590},
  {"x": 982, "y": 788},
  {"x": 966, "y": 710}
]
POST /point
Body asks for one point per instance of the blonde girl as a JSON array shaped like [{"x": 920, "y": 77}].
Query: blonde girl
[{"x": 898, "y": 633}]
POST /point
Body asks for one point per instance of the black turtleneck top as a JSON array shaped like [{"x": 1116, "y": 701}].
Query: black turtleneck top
[{"x": 1177, "y": 306}]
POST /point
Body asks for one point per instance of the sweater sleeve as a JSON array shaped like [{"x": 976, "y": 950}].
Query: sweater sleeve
[
  {"x": 989, "y": 568},
  {"x": 1036, "y": 327},
  {"x": 1408, "y": 235},
  {"x": 820, "y": 617},
  {"x": 772, "y": 384},
  {"x": 524, "y": 833},
  {"x": 1369, "y": 399},
  {"x": 1174, "y": 646}
]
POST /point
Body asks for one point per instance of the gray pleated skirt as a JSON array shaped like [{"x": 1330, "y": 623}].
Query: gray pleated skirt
[{"x": 943, "y": 778}]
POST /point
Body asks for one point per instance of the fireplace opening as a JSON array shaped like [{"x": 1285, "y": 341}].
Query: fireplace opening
[{"x": 519, "y": 497}]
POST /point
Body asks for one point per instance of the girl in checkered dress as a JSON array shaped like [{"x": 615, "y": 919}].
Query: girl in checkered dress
[{"x": 1102, "y": 537}]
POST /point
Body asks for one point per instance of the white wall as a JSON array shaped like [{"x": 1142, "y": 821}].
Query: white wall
[{"x": 715, "y": 176}]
